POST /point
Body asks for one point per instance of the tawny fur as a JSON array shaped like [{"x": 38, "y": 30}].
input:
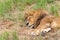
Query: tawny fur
[
  {"x": 47, "y": 24},
  {"x": 28, "y": 13},
  {"x": 45, "y": 21},
  {"x": 44, "y": 24},
  {"x": 35, "y": 16},
  {"x": 56, "y": 23}
]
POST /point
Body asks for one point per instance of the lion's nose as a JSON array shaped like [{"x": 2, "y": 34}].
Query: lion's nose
[{"x": 27, "y": 23}]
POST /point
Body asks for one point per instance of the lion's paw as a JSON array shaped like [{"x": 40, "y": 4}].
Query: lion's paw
[{"x": 44, "y": 31}]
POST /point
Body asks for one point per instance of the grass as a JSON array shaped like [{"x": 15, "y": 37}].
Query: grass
[
  {"x": 5, "y": 9},
  {"x": 54, "y": 10},
  {"x": 5, "y": 6},
  {"x": 20, "y": 17},
  {"x": 10, "y": 5},
  {"x": 14, "y": 35},
  {"x": 4, "y": 36},
  {"x": 21, "y": 4},
  {"x": 50, "y": 1},
  {"x": 40, "y": 4}
]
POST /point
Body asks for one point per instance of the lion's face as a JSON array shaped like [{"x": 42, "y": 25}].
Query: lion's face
[{"x": 30, "y": 22}]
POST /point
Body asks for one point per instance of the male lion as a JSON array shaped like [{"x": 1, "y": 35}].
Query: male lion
[
  {"x": 47, "y": 24},
  {"x": 32, "y": 21},
  {"x": 44, "y": 26},
  {"x": 40, "y": 20}
]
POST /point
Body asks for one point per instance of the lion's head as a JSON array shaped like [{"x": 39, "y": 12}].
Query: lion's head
[{"x": 30, "y": 22}]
